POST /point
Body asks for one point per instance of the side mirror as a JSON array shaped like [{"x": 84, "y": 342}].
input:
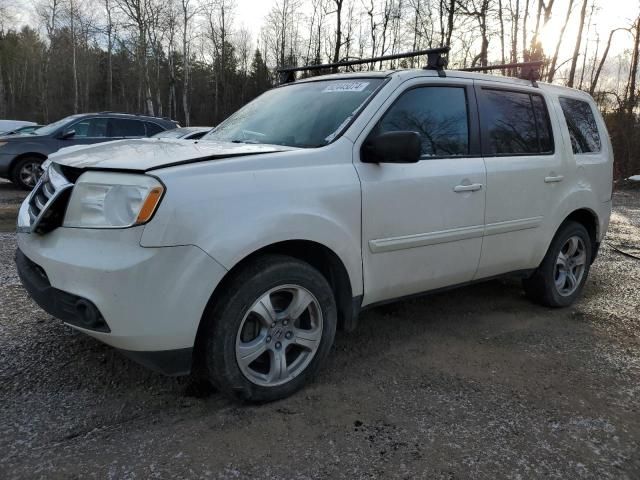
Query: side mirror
[
  {"x": 67, "y": 134},
  {"x": 392, "y": 147}
]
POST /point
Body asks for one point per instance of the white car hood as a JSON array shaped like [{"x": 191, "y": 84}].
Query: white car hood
[{"x": 151, "y": 153}]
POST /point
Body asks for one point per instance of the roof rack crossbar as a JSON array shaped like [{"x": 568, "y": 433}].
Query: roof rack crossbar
[
  {"x": 434, "y": 61},
  {"x": 528, "y": 70},
  {"x": 502, "y": 66}
]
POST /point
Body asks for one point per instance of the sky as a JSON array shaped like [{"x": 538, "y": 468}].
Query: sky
[{"x": 609, "y": 15}]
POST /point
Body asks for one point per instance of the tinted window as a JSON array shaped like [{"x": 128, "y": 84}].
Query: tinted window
[
  {"x": 543, "y": 123},
  {"x": 438, "y": 114},
  {"x": 152, "y": 129},
  {"x": 510, "y": 123},
  {"x": 582, "y": 126},
  {"x": 90, "y": 128},
  {"x": 126, "y": 128}
]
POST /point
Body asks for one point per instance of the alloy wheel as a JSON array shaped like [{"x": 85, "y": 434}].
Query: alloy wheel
[
  {"x": 30, "y": 173},
  {"x": 570, "y": 266},
  {"x": 279, "y": 335}
]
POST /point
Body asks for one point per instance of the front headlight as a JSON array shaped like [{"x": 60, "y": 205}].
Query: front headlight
[{"x": 112, "y": 200}]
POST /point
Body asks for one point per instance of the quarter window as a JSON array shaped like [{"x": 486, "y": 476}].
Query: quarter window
[
  {"x": 152, "y": 129},
  {"x": 515, "y": 123},
  {"x": 127, "y": 128},
  {"x": 438, "y": 114},
  {"x": 582, "y": 126}
]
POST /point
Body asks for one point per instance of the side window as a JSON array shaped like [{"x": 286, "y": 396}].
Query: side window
[
  {"x": 90, "y": 128},
  {"x": 152, "y": 129},
  {"x": 543, "y": 123},
  {"x": 438, "y": 114},
  {"x": 121, "y": 127},
  {"x": 509, "y": 122},
  {"x": 582, "y": 125}
]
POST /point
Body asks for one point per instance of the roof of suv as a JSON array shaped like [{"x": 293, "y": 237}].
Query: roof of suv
[{"x": 406, "y": 74}]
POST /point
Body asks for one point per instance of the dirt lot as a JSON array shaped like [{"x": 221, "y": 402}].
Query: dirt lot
[{"x": 475, "y": 382}]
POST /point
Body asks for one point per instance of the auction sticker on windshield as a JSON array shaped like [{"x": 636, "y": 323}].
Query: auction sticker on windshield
[{"x": 346, "y": 87}]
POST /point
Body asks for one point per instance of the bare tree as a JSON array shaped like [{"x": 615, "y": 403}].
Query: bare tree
[
  {"x": 596, "y": 77},
  {"x": 109, "y": 31},
  {"x": 632, "y": 94},
  {"x": 338, "y": 44},
  {"x": 188, "y": 12},
  {"x": 554, "y": 60},
  {"x": 576, "y": 49}
]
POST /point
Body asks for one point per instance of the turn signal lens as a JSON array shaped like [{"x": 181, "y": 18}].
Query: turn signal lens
[{"x": 150, "y": 204}]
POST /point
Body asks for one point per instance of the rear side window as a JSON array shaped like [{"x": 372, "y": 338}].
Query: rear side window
[
  {"x": 127, "y": 128},
  {"x": 438, "y": 114},
  {"x": 515, "y": 123},
  {"x": 152, "y": 129},
  {"x": 582, "y": 125}
]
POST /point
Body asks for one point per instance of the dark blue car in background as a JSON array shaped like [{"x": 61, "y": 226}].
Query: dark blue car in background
[{"x": 21, "y": 156}]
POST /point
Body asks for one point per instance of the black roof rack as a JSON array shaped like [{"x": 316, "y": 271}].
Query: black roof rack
[
  {"x": 435, "y": 61},
  {"x": 528, "y": 70}
]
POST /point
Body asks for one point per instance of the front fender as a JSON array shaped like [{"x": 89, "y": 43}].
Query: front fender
[{"x": 235, "y": 207}]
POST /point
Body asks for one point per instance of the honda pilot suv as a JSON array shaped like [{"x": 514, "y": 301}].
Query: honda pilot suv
[
  {"x": 21, "y": 156},
  {"x": 239, "y": 255}
]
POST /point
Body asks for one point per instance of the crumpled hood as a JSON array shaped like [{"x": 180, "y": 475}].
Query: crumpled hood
[{"x": 151, "y": 153}]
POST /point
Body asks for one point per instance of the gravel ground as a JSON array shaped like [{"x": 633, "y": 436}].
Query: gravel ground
[{"x": 476, "y": 382}]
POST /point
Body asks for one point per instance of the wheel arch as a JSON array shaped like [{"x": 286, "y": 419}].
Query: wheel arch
[
  {"x": 19, "y": 157},
  {"x": 589, "y": 220},
  {"x": 321, "y": 257}
]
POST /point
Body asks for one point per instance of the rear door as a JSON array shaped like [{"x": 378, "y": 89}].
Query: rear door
[
  {"x": 525, "y": 175},
  {"x": 422, "y": 223}
]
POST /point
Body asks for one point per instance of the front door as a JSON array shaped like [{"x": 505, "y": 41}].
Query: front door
[
  {"x": 86, "y": 132},
  {"x": 422, "y": 223}
]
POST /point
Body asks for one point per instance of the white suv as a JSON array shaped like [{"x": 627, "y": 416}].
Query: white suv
[{"x": 241, "y": 253}]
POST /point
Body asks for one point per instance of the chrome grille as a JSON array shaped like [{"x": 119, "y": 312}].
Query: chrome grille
[{"x": 43, "y": 209}]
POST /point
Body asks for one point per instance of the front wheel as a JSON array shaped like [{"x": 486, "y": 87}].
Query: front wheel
[
  {"x": 26, "y": 172},
  {"x": 270, "y": 330},
  {"x": 563, "y": 272}
]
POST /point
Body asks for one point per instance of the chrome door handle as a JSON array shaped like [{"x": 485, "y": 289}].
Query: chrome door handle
[
  {"x": 474, "y": 187},
  {"x": 557, "y": 178}
]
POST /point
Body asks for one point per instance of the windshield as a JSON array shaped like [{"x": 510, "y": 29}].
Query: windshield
[
  {"x": 52, "y": 127},
  {"x": 299, "y": 115}
]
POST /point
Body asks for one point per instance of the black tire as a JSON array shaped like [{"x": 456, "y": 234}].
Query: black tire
[
  {"x": 224, "y": 320},
  {"x": 16, "y": 169},
  {"x": 541, "y": 286}
]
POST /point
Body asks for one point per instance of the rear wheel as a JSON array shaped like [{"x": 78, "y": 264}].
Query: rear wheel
[
  {"x": 270, "y": 330},
  {"x": 26, "y": 172},
  {"x": 560, "y": 277}
]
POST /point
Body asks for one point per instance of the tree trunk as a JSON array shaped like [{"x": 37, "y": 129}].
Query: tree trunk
[
  {"x": 554, "y": 61},
  {"x": 72, "y": 15},
  {"x": 596, "y": 76},
  {"x": 501, "y": 20},
  {"x": 576, "y": 50},
  {"x": 336, "y": 51},
  {"x": 632, "y": 94},
  {"x": 107, "y": 5}
]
